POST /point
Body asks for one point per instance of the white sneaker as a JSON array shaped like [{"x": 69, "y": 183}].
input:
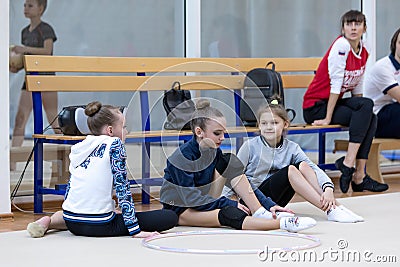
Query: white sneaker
[
  {"x": 358, "y": 217},
  {"x": 295, "y": 224},
  {"x": 339, "y": 215},
  {"x": 264, "y": 213}
]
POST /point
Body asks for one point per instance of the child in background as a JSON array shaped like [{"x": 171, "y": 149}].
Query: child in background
[
  {"x": 98, "y": 166},
  {"x": 196, "y": 173},
  {"x": 37, "y": 39},
  {"x": 279, "y": 168}
]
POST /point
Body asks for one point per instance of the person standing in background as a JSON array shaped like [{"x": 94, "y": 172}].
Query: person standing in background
[{"x": 37, "y": 39}]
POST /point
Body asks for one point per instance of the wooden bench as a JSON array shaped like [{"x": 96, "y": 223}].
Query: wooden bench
[
  {"x": 124, "y": 74},
  {"x": 373, "y": 163}
]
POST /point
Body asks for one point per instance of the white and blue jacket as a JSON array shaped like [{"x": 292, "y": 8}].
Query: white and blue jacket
[{"x": 98, "y": 166}]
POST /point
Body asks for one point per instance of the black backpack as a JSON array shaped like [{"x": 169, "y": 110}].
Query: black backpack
[
  {"x": 179, "y": 108},
  {"x": 261, "y": 86}
]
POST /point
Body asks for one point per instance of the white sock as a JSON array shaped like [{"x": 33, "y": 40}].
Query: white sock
[
  {"x": 358, "y": 217},
  {"x": 339, "y": 215},
  {"x": 262, "y": 213},
  {"x": 295, "y": 224}
]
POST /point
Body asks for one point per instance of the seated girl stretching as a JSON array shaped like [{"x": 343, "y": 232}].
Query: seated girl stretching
[
  {"x": 278, "y": 167},
  {"x": 98, "y": 165},
  {"x": 195, "y": 175}
]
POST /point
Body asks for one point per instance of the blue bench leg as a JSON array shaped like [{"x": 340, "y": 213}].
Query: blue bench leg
[
  {"x": 38, "y": 153},
  {"x": 38, "y": 178},
  {"x": 321, "y": 153},
  {"x": 145, "y": 172},
  {"x": 322, "y": 148}
]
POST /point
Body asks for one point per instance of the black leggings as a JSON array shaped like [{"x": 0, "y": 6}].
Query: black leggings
[
  {"x": 150, "y": 221},
  {"x": 355, "y": 112},
  {"x": 278, "y": 187}
]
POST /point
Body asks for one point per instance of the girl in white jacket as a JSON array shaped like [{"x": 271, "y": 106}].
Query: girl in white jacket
[{"x": 98, "y": 167}]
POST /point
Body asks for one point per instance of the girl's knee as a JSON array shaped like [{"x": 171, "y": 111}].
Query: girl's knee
[
  {"x": 170, "y": 218},
  {"x": 367, "y": 103},
  {"x": 297, "y": 171},
  {"x": 292, "y": 169},
  {"x": 374, "y": 121},
  {"x": 21, "y": 118},
  {"x": 304, "y": 166}
]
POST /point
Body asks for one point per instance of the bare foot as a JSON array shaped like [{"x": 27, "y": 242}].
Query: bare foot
[{"x": 144, "y": 234}]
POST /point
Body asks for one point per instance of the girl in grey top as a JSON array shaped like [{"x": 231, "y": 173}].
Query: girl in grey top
[{"x": 279, "y": 168}]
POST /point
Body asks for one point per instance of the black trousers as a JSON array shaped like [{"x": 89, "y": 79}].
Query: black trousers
[
  {"x": 354, "y": 112},
  {"x": 155, "y": 220},
  {"x": 389, "y": 121}
]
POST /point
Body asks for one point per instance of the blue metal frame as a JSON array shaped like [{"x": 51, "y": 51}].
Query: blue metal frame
[
  {"x": 38, "y": 153},
  {"x": 145, "y": 114},
  {"x": 321, "y": 142}
]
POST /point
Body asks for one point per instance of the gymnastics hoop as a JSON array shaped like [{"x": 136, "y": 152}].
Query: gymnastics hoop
[{"x": 147, "y": 242}]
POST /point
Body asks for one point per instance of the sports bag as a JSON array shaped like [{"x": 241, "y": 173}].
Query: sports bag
[
  {"x": 261, "y": 86},
  {"x": 179, "y": 108}
]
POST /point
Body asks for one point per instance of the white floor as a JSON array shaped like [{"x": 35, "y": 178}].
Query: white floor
[{"x": 360, "y": 244}]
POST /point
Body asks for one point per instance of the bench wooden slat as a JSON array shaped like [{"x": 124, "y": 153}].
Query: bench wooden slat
[
  {"x": 169, "y": 133},
  {"x": 296, "y": 81},
  {"x": 385, "y": 144},
  {"x": 130, "y": 83},
  {"x": 388, "y": 143},
  {"x": 45, "y": 83},
  {"x": 35, "y": 63},
  {"x": 58, "y": 137}
]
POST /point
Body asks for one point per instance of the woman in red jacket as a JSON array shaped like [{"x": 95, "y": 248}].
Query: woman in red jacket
[{"x": 340, "y": 71}]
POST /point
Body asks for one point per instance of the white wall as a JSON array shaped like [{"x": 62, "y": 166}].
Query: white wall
[
  {"x": 193, "y": 28},
  {"x": 5, "y": 205},
  {"x": 369, "y": 9}
]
